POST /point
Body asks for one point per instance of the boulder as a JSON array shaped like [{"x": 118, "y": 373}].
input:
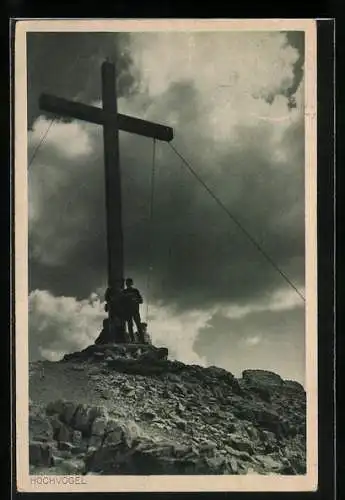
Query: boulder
[
  {"x": 293, "y": 387},
  {"x": 66, "y": 446},
  {"x": 243, "y": 455},
  {"x": 154, "y": 354},
  {"x": 73, "y": 466},
  {"x": 95, "y": 441},
  {"x": 77, "y": 438},
  {"x": 68, "y": 412},
  {"x": 233, "y": 465},
  {"x": 207, "y": 447},
  {"x": 40, "y": 454},
  {"x": 118, "y": 432},
  {"x": 240, "y": 443},
  {"x": 40, "y": 428},
  {"x": 98, "y": 426},
  {"x": 114, "y": 432},
  {"x": 55, "y": 407},
  {"x": 64, "y": 410},
  {"x": 262, "y": 377},
  {"x": 149, "y": 458},
  {"x": 181, "y": 423},
  {"x": 270, "y": 464},
  {"x": 183, "y": 450},
  {"x": 85, "y": 415},
  {"x": 269, "y": 420},
  {"x": 261, "y": 391},
  {"x": 98, "y": 412},
  {"x": 62, "y": 433},
  {"x": 81, "y": 420},
  {"x": 148, "y": 415},
  {"x": 217, "y": 465}
]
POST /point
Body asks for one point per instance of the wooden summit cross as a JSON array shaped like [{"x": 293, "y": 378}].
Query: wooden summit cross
[{"x": 112, "y": 122}]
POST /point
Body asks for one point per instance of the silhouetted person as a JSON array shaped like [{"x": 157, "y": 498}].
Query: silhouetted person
[
  {"x": 146, "y": 335},
  {"x": 115, "y": 310},
  {"x": 131, "y": 304}
]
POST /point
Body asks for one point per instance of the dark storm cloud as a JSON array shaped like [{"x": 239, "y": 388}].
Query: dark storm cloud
[
  {"x": 199, "y": 256},
  {"x": 67, "y": 251},
  {"x": 295, "y": 39},
  {"x": 66, "y": 64}
]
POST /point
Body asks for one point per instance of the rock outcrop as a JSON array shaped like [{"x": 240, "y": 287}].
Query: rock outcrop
[{"x": 129, "y": 410}]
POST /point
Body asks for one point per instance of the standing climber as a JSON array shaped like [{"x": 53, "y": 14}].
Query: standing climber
[
  {"x": 131, "y": 304},
  {"x": 116, "y": 320}
]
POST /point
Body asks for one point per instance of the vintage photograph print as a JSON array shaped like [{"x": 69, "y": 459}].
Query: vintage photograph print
[{"x": 165, "y": 246}]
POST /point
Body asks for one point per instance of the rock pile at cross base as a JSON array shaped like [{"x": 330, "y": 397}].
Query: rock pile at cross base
[{"x": 127, "y": 409}]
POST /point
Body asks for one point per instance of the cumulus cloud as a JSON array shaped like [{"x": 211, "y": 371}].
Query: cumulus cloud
[
  {"x": 204, "y": 57},
  {"x": 61, "y": 324},
  {"x": 283, "y": 299},
  {"x": 72, "y": 135},
  {"x": 178, "y": 333}
]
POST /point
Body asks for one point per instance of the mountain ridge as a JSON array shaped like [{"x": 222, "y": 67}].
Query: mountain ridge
[{"x": 128, "y": 409}]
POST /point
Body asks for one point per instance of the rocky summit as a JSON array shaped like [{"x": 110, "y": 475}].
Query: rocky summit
[{"x": 128, "y": 409}]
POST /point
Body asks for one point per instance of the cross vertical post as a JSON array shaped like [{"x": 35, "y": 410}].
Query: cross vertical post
[
  {"x": 112, "y": 122},
  {"x": 113, "y": 198}
]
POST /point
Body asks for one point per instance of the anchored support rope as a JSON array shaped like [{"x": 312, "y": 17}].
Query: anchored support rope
[
  {"x": 234, "y": 219},
  {"x": 41, "y": 141},
  {"x": 150, "y": 246}
]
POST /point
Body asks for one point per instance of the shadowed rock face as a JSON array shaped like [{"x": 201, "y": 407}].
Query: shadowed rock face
[
  {"x": 143, "y": 414},
  {"x": 138, "y": 352}
]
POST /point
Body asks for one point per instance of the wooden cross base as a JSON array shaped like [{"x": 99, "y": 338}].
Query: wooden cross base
[{"x": 114, "y": 332}]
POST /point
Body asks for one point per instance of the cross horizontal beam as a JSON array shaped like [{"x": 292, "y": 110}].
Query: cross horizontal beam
[{"x": 96, "y": 115}]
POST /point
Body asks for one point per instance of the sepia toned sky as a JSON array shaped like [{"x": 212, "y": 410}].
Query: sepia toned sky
[{"x": 236, "y": 103}]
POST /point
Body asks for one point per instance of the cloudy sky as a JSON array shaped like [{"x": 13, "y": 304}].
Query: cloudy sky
[{"x": 235, "y": 100}]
